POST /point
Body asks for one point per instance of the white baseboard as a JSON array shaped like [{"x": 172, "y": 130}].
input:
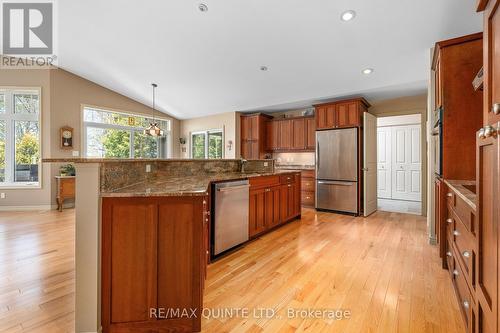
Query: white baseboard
[{"x": 33, "y": 207}]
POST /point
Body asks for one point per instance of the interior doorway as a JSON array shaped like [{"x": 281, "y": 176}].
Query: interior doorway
[{"x": 399, "y": 164}]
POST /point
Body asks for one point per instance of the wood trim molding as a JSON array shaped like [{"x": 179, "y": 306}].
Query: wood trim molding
[{"x": 481, "y": 5}]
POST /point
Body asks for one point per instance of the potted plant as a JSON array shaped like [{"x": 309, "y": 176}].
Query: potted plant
[{"x": 67, "y": 170}]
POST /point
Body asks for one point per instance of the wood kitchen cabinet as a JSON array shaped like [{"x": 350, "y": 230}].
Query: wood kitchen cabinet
[
  {"x": 439, "y": 188},
  {"x": 253, "y": 136},
  {"x": 491, "y": 60},
  {"x": 153, "y": 256},
  {"x": 291, "y": 134},
  {"x": 488, "y": 235},
  {"x": 341, "y": 114}
]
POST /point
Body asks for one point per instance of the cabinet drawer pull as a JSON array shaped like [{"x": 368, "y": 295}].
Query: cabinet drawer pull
[
  {"x": 455, "y": 272},
  {"x": 496, "y": 108},
  {"x": 449, "y": 221},
  {"x": 449, "y": 195},
  {"x": 308, "y": 197},
  {"x": 466, "y": 254},
  {"x": 204, "y": 202},
  {"x": 480, "y": 134},
  {"x": 456, "y": 233},
  {"x": 289, "y": 185},
  {"x": 449, "y": 254},
  {"x": 466, "y": 304},
  {"x": 267, "y": 190},
  {"x": 489, "y": 131}
]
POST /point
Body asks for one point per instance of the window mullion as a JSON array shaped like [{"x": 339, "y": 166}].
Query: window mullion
[{"x": 131, "y": 140}]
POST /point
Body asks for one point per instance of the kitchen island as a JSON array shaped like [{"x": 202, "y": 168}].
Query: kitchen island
[{"x": 142, "y": 237}]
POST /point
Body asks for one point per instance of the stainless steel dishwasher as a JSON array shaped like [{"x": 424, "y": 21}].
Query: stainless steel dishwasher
[{"x": 230, "y": 223}]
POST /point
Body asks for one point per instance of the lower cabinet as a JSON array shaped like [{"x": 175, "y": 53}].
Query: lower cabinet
[
  {"x": 153, "y": 263},
  {"x": 273, "y": 201}
]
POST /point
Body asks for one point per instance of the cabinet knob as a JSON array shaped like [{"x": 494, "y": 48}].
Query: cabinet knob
[
  {"x": 449, "y": 195},
  {"x": 489, "y": 131},
  {"x": 456, "y": 233},
  {"x": 455, "y": 272},
  {"x": 496, "y": 108},
  {"x": 466, "y": 254},
  {"x": 449, "y": 221},
  {"x": 308, "y": 197},
  {"x": 289, "y": 185},
  {"x": 449, "y": 254},
  {"x": 466, "y": 304},
  {"x": 268, "y": 190},
  {"x": 480, "y": 134}
]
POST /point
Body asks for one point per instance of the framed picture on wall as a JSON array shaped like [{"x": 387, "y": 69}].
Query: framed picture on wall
[{"x": 66, "y": 137}]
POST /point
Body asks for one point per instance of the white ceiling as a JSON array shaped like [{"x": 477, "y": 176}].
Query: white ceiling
[{"x": 208, "y": 63}]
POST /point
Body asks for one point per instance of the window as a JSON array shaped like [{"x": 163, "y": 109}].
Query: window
[
  {"x": 207, "y": 144},
  {"x": 109, "y": 134},
  {"x": 19, "y": 138}
]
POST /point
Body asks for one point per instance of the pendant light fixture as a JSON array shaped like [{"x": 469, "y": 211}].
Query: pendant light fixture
[{"x": 153, "y": 129}]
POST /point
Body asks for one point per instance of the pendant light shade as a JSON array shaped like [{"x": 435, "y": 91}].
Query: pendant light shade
[{"x": 153, "y": 129}]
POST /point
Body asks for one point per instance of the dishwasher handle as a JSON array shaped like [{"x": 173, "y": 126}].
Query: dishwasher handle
[{"x": 232, "y": 188}]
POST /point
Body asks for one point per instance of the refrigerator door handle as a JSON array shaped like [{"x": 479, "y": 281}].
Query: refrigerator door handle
[
  {"x": 317, "y": 155},
  {"x": 327, "y": 182}
]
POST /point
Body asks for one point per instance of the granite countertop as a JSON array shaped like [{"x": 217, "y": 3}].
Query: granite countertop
[
  {"x": 463, "y": 192},
  {"x": 196, "y": 185}
]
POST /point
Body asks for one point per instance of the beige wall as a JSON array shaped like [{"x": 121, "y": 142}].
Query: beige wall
[
  {"x": 228, "y": 121},
  {"x": 63, "y": 95},
  {"x": 406, "y": 106}
]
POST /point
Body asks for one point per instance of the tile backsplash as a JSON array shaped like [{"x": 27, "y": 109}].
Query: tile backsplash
[{"x": 294, "y": 158}]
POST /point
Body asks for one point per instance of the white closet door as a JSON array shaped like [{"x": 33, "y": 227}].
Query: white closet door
[
  {"x": 384, "y": 145},
  {"x": 406, "y": 163}
]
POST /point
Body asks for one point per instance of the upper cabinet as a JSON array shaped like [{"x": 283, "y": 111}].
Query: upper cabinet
[
  {"x": 253, "y": 136},
  {"x": 291, "y": 134},
  {"x": 341, "y": 114},
  {"x": 491, "y": 61},
  {"x": 455, "y": 64}
]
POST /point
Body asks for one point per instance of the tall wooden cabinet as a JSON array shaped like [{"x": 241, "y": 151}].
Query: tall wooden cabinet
[
  {"x": 455, "y": 64},
  {"x": 253, "y": 136}
]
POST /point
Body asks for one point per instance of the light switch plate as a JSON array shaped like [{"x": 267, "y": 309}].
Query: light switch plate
[
  {"x": 2, "y": 195},
  {"x": 266, "y": 164},
  {"x": 148, "y": 167},
  {"x": 75, "y": 153}
]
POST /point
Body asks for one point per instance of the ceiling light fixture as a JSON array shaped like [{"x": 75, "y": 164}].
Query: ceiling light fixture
[
  {"x": 153, "y": 129},
  {"x": 367, "y": 71},
  {"x": 202, "y": 7},
  {"x": 348, "y": 15},
  {"x": 264, "y": 68}
]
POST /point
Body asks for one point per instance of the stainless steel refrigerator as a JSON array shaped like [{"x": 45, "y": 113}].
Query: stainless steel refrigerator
[{"x": 337, "y": 170}]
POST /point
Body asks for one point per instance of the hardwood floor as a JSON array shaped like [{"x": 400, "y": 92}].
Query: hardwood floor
[
  {"x": 37, "y": 271},
  {"x": 381, "y": 269}
]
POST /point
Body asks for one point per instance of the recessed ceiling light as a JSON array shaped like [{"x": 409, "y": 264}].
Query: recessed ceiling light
[
  {"x": 367, "y": 71},
  {"x": 202, "y": 7},
  {"x": 348, "y": 15},
  {"x": 263, "y": 68}
]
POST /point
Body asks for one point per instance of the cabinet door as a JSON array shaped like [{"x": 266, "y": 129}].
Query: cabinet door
[
  {"x": 492, "y": 61},
  {"x": 246, "y": 128},
  {"x": 320, "y": 117},
  {"x": 255, "y": 150},
  {"x": 299, "y": 133},
  {"x": 246, "y": 149},
  {"x": 273, "y": 130},
  {"x": 284, "y": 202},
  {"x": 439, "y": 225},
  {"x": 297, "y": 195},
  {"x": 256, "y": 214},
  {"x": 254, "y": 128},
  {"x": 129, "y": 242},
  {"x": 311, "y": 133},
  {"x": 347, "y": 115},
  {"x": 180, "y": 226},
  {"x": 487, "y": 173},
  {"x": 286, "y": 134},
  {"x": 330, "y": 116},
  {"x": 438, "y": 86},
  {"x": 272, "y": 209}
]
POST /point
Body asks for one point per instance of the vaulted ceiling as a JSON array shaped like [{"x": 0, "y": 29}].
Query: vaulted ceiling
[{"x": 209, "y": 62}]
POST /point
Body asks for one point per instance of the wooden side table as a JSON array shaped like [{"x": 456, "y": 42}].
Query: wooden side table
[{"x": 65, "y": 189}]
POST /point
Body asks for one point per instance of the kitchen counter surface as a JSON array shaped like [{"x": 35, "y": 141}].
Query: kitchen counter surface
[
  {"x": 459, "y": 187},
  {"x": 197, "y": 185},
  {"x": 295, "y": 167}
]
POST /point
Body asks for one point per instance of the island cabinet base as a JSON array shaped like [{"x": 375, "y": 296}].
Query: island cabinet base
[{"x": 153, "y": 263}]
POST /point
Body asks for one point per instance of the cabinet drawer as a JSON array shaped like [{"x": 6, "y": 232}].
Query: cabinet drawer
[
  {"x": 450, "y": 257},
  {"x": 264, "y": 181},
  {"x": 465, "y": 213},
  {"x": 288, "y": 178},
  {"x": 308, "y": 174},
  {"x": 450, "y": 198},
  {"x": 307, "y": 198},
  {"x": 308, "y": 184},
  {"x": 465, "y": 300},
  {"x": 464, "y": 244}
]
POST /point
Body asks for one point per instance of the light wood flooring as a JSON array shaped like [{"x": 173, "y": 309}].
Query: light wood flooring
[{"x": 381, "y": 269}]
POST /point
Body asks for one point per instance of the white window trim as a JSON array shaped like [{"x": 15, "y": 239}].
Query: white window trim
[
  {"x": 206, "y": 132},
  {"x": 10, "y": 150},
  {"x": 85, "y": 124}
]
